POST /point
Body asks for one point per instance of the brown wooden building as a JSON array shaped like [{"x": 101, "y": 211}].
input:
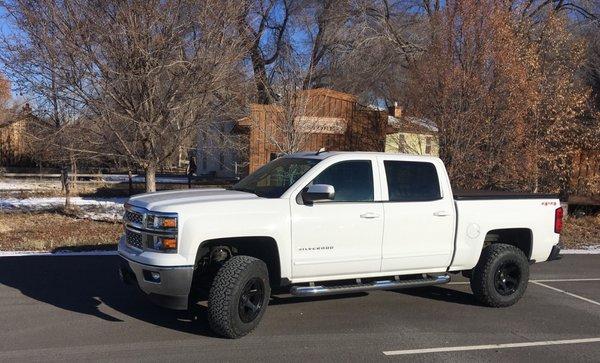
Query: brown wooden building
[{"x": 313, "y": 119}]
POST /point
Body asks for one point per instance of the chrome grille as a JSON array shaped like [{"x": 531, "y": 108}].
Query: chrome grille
[
  {"x": 150, "y": 221},
  {"x": 134, "y": 217},
  {"x": 140, "y": 232},
  {"x": 134, "y": 239}
]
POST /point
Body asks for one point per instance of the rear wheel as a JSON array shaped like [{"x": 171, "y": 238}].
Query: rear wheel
[
  {"x": 501, "y": 275},
  {"x": 239, "y": 296}
]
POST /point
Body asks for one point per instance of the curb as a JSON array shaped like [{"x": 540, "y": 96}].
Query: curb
[{"x": 595, "y": 251}]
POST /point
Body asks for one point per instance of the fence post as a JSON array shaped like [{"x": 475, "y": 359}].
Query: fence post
[{"x": 130, "y": 182}]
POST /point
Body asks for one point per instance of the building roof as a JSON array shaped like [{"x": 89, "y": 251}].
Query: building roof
[{"x": 411, "y": 124}]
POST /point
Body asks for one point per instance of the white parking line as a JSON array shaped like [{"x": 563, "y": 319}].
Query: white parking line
[
  {"x": 540, "y": 283},
  {"x": 491, "y": 346},
  {"x": 567, "y": 293},
  {"x": 566, "y": 280}
]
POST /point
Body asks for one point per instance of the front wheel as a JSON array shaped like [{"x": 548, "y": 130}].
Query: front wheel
[
  {"x": 501, "y": 275},
  {"x": 239, "y": 296}
]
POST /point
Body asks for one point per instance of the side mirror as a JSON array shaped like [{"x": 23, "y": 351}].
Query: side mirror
[{"x": 318, "y": 192}]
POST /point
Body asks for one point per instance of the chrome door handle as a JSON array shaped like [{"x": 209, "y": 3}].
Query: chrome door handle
[
  {"x": 369, "y": 215},
  {"x": 441, "y": 213}
]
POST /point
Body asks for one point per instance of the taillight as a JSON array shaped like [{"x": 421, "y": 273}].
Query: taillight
[{"x": 558, "y": 220}]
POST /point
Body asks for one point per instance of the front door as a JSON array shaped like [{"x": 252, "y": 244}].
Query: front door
[{"x": 342, "y": 236}]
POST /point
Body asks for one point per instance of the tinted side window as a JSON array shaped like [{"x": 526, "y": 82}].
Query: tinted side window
[
  {"x": 411, "y": 181},
  {"x": 352, "y": 180}
]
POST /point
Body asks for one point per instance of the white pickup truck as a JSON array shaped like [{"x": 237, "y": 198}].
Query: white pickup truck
[{"x": 329, "y": 223}]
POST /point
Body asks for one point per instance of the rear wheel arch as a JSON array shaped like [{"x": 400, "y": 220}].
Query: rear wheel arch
[{"x": 521, "y": 238}]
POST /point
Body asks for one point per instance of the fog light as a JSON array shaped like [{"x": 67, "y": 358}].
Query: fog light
[{"x": 152, "y": 276}]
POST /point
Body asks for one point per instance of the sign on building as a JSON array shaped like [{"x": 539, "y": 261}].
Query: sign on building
[{"x": 320, "y": 125}]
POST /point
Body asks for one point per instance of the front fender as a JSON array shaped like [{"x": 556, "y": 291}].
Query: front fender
[{"x": 251, "y": 218}]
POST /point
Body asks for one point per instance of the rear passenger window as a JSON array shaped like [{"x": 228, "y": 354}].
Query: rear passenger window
[
  {"x": 352, "y": 180},
  {"x": 410, "y": 181}
]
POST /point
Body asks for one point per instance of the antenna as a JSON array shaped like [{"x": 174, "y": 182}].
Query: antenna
[{"x": 321, "y": 150}]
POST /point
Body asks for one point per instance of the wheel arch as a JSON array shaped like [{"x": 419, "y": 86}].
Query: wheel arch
[
  {"x": 522, "y": 238},
  {"x": 264, "y": 248}
]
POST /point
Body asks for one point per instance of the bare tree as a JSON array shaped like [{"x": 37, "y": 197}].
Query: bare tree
[
  {"x": 263, "y": 25},
  {"x": 144, "y": 73},
  {"x": 504, "y": 92}
]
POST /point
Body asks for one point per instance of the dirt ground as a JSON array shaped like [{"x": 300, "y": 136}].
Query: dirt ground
[{"x": 51, "y": 231}]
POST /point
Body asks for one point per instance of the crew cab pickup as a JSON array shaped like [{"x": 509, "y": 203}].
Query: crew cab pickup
[{"x": 329, "y": 223}]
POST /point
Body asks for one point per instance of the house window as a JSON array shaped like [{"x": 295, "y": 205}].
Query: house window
[
  {"x": 203, "y": 161},
  {"x": 428, "y": 145}
]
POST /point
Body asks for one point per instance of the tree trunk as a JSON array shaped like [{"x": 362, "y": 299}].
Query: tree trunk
[
  {"x": 74, "y": 172},
  {"x": 66, "y": 187},
  {"x": 67, "y": 197},
  {"x": 265, "y": 94},
  {"x": 150, "y": 178}
]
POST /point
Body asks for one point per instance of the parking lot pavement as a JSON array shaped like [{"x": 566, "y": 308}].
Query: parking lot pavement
[{"x": 68, "y": 307}]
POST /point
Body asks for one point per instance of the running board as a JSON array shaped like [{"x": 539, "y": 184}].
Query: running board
[{"x": 375, "y": 285}]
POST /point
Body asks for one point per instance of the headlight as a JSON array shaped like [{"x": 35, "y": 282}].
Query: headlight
[{"x": 161, "y": 222}]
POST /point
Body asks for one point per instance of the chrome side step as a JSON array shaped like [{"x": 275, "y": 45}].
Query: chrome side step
[{"x": 375, "y": 285}]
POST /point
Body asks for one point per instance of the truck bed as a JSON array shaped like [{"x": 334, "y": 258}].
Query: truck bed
[
  {"x": 479, "y": 213},
  {"x": 492, "y": 194}
]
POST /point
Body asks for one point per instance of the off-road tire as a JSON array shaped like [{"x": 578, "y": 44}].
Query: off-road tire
[
  {"x": 484, "y": 278},
  {"x": 226, "y": 291}
]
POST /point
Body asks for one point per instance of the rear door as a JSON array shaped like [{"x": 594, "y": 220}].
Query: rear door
[
  {"x": 342, "y": 236},
  {"x": 419, "y": 218}
]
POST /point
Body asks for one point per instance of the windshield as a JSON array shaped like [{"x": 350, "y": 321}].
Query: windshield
[{"x": 273, "y": 179}]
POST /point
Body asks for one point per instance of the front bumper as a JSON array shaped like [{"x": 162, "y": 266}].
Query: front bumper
[{"x": 171, "y": 290}]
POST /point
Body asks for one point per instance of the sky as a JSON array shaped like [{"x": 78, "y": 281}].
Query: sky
[{"x": 5, "y": 30}]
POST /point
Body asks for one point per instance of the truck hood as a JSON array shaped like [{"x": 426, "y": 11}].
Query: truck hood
[{"x": 159, "y": 201}]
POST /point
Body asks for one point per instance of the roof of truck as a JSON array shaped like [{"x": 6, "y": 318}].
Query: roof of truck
[{"x": 326, "y": 154}]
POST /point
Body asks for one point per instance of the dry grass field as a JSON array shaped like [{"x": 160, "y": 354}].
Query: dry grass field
[
  {"x": 581, "y": 232},
  {"x": 49, "y": 231}
]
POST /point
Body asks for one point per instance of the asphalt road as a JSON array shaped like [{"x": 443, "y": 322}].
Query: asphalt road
[{"x": 73, "y": 308}]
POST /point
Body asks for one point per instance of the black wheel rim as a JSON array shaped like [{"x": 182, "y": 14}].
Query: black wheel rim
[
  {"x": 251, "y": 300},
  {"x": 507, "y": 278}
]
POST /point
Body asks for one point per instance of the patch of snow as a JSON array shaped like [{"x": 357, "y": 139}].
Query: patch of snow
[
  {"x": 590, "y": 250},
  {"x": 28, "y": 184},
  {"x": 141, "y": 179},
  {"x": 91, "y": 208}
]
